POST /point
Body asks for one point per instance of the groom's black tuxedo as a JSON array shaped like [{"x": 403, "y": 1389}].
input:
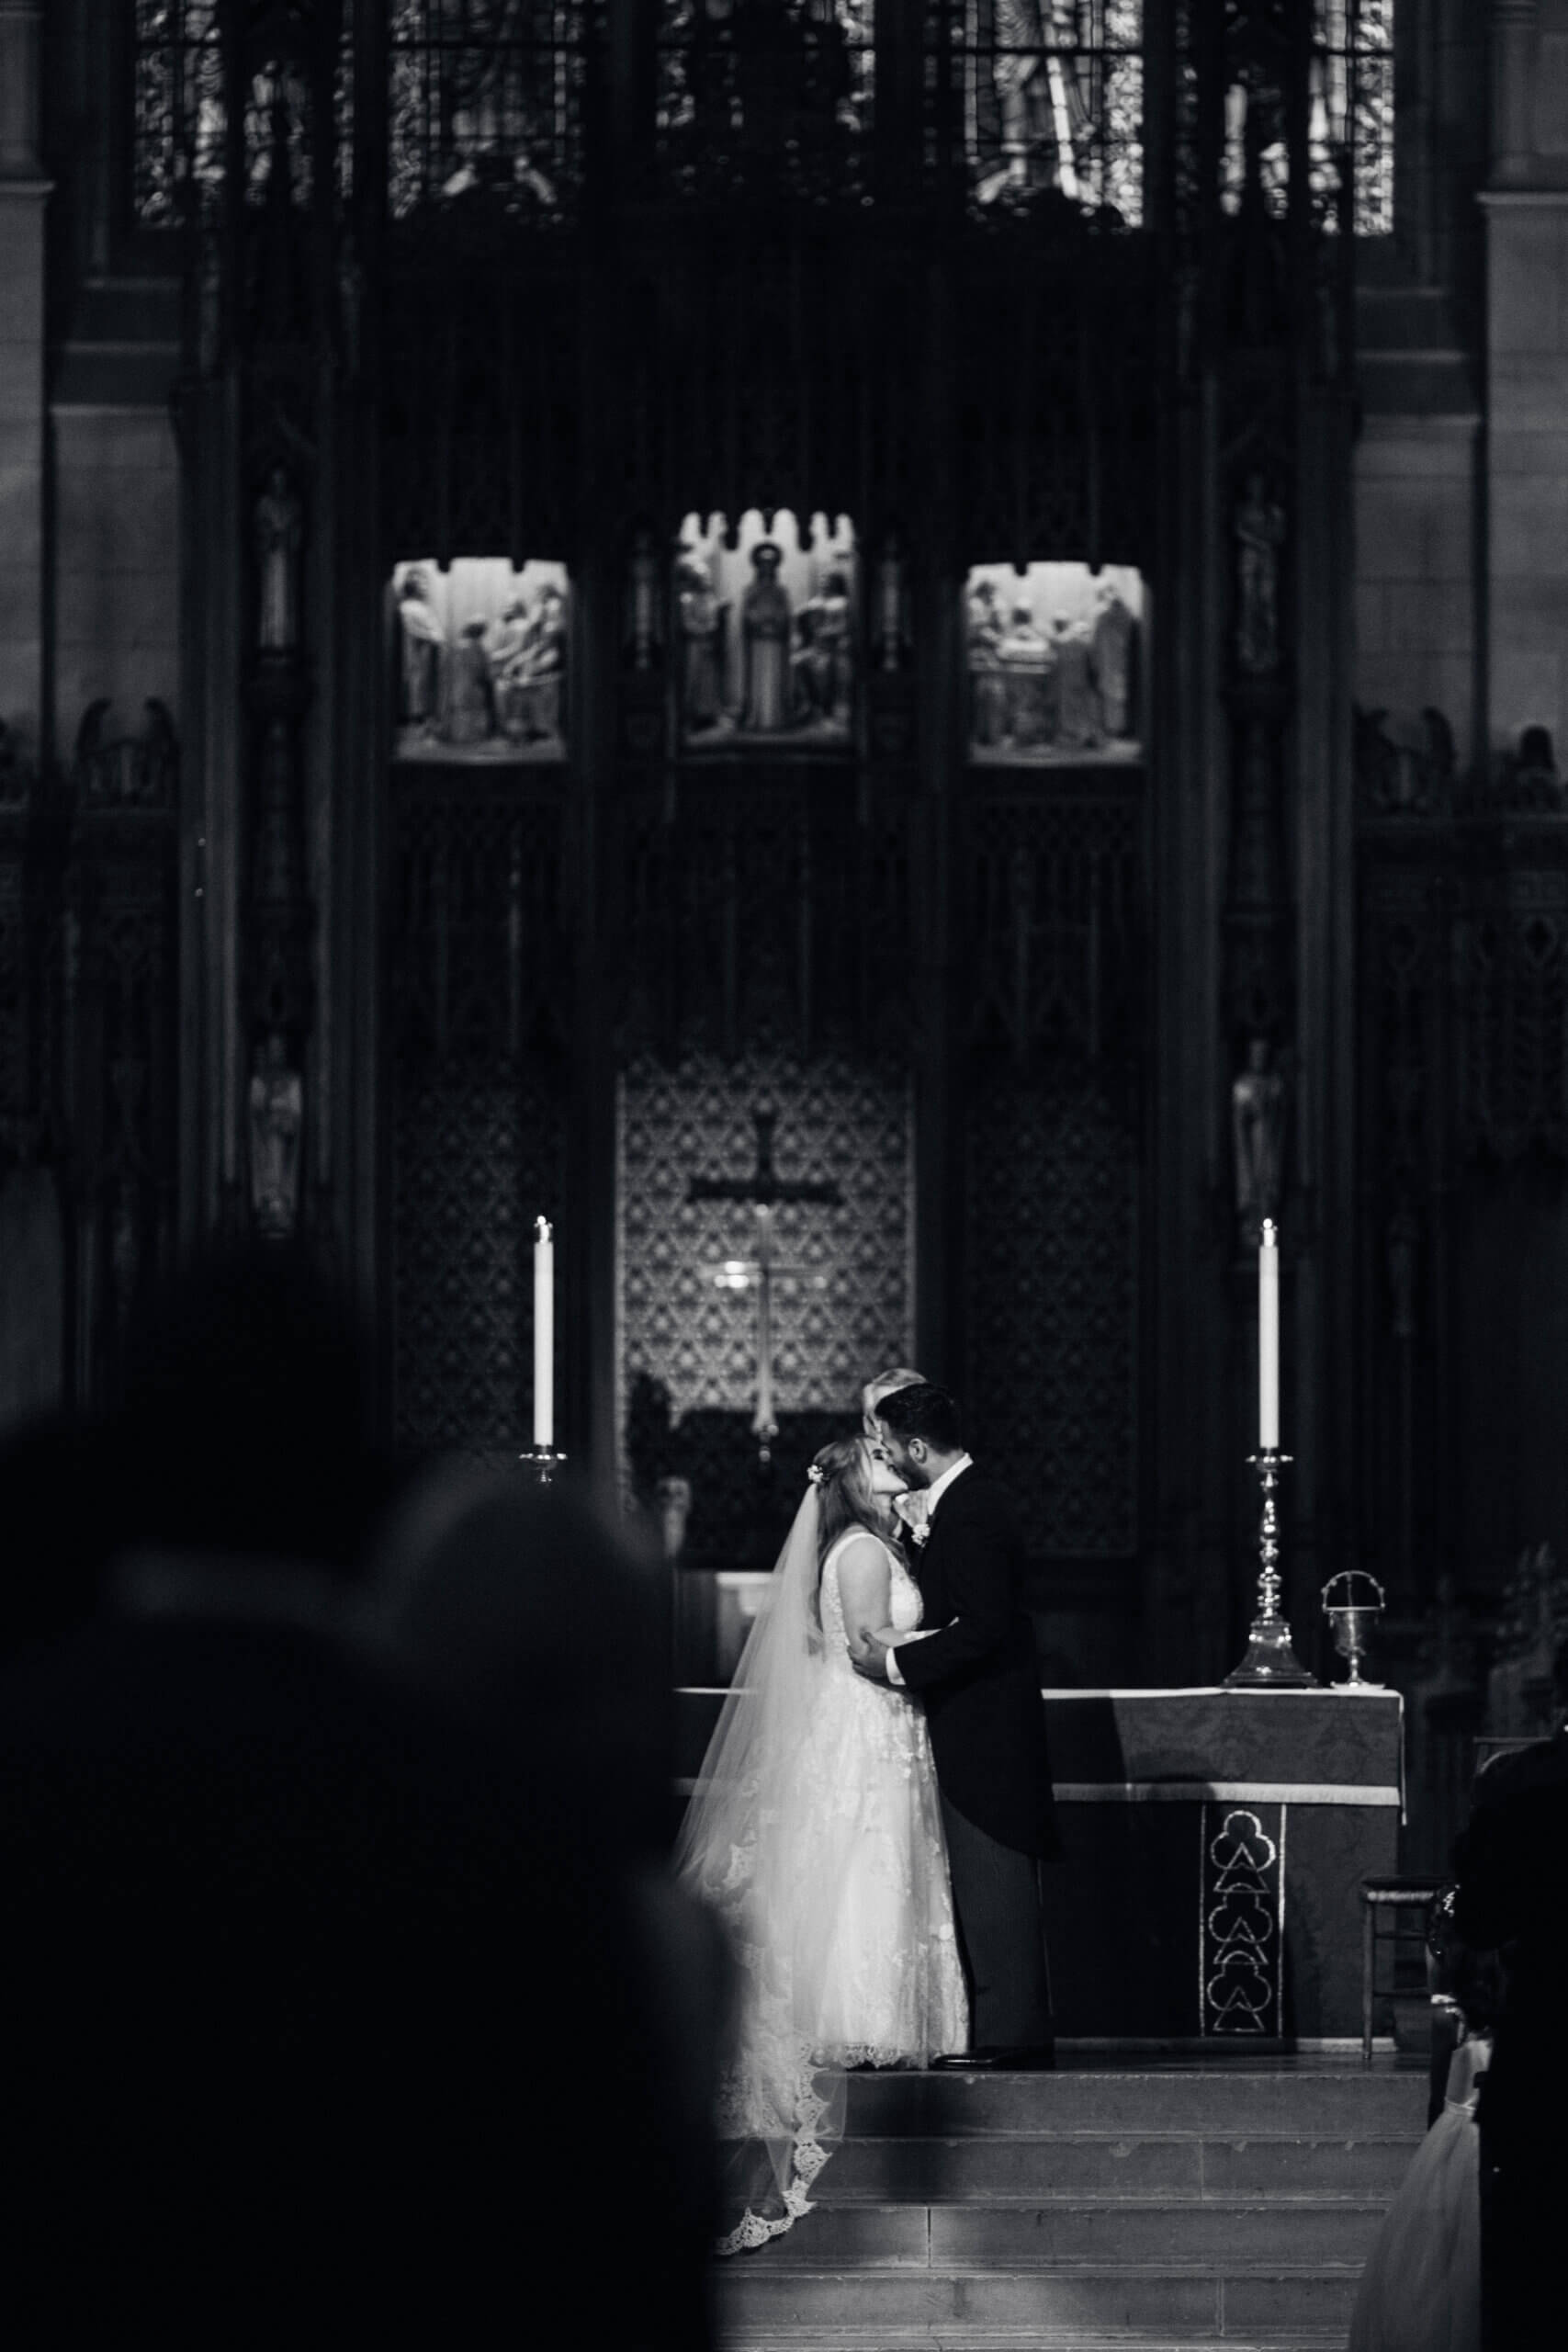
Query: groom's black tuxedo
[{"x": 980, "y": 1676}]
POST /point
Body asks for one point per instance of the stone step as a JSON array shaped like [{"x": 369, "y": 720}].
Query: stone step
[
  {"x": 1125, "y": 2234},
  {"x": 1086, "y": 2167},
  {"x": 1221, "y": 2102},
  {"x": 1157, "y": 2305},
  {"x": 961, "y": 2335}
]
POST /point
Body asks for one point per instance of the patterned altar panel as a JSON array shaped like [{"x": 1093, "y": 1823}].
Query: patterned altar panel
[
  {"x": 840, "y": 1120},
  {"x": 1051, "y": 1304},
  {"x": 1241, "y": 1936}
]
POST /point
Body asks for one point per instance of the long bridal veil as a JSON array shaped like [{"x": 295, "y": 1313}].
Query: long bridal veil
[{"x": 752, "y": 1846}]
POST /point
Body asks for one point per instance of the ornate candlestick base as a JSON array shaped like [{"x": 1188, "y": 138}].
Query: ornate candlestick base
[
  {"x": 1271, "y": 1663},
  {"x": 540, "y": 1464}
]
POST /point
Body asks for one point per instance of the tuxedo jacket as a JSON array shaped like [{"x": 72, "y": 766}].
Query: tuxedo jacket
[
  {"x": 980, "y": 1676},
  {"x": 1511, "y": 1864}
]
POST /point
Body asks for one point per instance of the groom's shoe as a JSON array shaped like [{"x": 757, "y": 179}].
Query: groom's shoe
[{"x": 1036, "y": 2058}]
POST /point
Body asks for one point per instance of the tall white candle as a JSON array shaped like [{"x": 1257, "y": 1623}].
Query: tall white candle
[
  {"x": 544, "y": 1335},
  {"x": 1268, "y": 1336}
]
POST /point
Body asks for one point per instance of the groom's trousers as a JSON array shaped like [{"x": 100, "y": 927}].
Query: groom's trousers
[{"x": 1001, "y": 1930}]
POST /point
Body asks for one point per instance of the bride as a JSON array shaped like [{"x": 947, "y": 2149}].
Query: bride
[{"x": 816, "y": 1833}]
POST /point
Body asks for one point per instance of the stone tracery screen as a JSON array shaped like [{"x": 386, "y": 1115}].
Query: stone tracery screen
[
  {"x": 1052, "y": 97},
  {"x": 1051, "y": 1197}
]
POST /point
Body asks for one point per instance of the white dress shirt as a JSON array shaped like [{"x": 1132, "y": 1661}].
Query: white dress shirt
[{"x": 934, "y": 1494}]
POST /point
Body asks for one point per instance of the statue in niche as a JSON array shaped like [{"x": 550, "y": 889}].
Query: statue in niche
[
  {"x": 1532, "y": 780},
  {"x": 1026, "y": 658},
  {"x": 423, "y": 648},
  {"x": 506, "y": 645},
  {"x": 469, "y": 714},
  {"x": 1077, "y": 704},
  {"x": 765, "y": 634},
  {"x": 1112, "y": 645},
  {"x": 892, "y": 636},
  {"x": 987, "y": 685},
  {"x": 701, "y": 632},
  {"x": 543, "y": 667},
  {"x": 209, "y": 303},
  {"x": 824, "y": 665},
  {"x": 278, "y": 1119},
  {"x": 1259, "y": 526},
  {"x": 279, "y": 531},
  {"x": 1257, "y": 1136},
  {"x": 673, "y": 1498},
  {"x": 642, "y": 600},
  {"x": 1400, "y": 1249}
]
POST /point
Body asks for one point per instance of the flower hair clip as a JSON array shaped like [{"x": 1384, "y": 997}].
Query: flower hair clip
[{"x": 817, "y": 1474}]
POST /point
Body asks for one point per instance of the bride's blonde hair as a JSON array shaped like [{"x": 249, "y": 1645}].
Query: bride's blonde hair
[{"x": 841, "y": 1475}]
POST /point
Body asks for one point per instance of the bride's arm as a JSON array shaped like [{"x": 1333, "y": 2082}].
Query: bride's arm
[{"x": 865, "y": 1589}]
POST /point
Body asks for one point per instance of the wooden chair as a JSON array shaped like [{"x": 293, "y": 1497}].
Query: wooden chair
[{"x": 1408, "y": 1902}]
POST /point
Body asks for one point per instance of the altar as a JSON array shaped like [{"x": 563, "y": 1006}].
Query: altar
[{"x": 1213, "y": 1846}]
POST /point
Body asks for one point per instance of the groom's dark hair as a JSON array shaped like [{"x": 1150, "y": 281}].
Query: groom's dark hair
[{"x": 927, "y": 1412}]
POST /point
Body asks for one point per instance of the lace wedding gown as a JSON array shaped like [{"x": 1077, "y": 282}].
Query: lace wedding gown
[{"x": 837, "y": 1892}]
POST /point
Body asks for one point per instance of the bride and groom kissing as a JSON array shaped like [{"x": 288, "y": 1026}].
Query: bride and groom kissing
[{"x": 875, "y": 1801}]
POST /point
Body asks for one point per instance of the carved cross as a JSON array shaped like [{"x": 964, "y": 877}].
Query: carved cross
[{"x": 764, "y": 1190}]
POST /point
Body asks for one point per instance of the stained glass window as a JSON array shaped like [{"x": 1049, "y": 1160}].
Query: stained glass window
[
  {"x": 746, "y": 83},
  {"x": 1052, "y": 97},
  {"x": 1352, "y": 109},
  {"x": 486, "y": 95},
  {"x": 180, "y": 113},
  {"x": 177, "y": 106},
  {"x": 1350, "y": 126}
]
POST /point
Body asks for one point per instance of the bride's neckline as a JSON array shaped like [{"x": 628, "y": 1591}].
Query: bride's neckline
[{"x": 848, "y": 1535}]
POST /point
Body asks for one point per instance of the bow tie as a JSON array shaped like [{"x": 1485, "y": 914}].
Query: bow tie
[{"x": 914, "y": 1510}]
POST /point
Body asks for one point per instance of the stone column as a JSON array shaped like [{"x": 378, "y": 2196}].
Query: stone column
[
  {"x": 23, "y": 193},
  {"x": 1513, "y": 94},
  {"x": 1526, "y": 209}
]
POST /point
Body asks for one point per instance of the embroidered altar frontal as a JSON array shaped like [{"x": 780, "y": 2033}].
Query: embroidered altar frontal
[{"x": 1213, "y": 1847}]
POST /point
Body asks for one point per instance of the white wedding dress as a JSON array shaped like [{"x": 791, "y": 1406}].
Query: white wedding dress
[{"x": 822, "y": 1847}]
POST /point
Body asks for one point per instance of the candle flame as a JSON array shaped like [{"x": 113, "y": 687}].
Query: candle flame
[
  {"x": 542, "y": 1229},
  {"x": 1270, "y": 1234}
]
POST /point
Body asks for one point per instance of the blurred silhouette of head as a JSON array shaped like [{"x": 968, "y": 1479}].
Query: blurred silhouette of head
[
  {"x": 244, "y": 1422},
  {"x": 522, "y": 1611}
]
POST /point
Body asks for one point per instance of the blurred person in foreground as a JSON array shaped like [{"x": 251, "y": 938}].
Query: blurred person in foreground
[
  {"x": 525, "y": 1613},
  {"x": 289, "y": 1959},
  {"x": 1511, "y": 1863}
]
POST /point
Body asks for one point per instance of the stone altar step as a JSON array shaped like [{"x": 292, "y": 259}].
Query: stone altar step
[
  {"x": 1166, "y": 2208},
  {"x": 1179, "y": 2170}
]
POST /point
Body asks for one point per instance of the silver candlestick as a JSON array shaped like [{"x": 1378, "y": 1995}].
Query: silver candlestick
[
  {"x": 541, "y": 1462},
  {"x": 1271, "y": 1663}
]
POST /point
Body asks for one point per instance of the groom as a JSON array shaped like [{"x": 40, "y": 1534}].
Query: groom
[{"x": 980, "y": 1681}]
